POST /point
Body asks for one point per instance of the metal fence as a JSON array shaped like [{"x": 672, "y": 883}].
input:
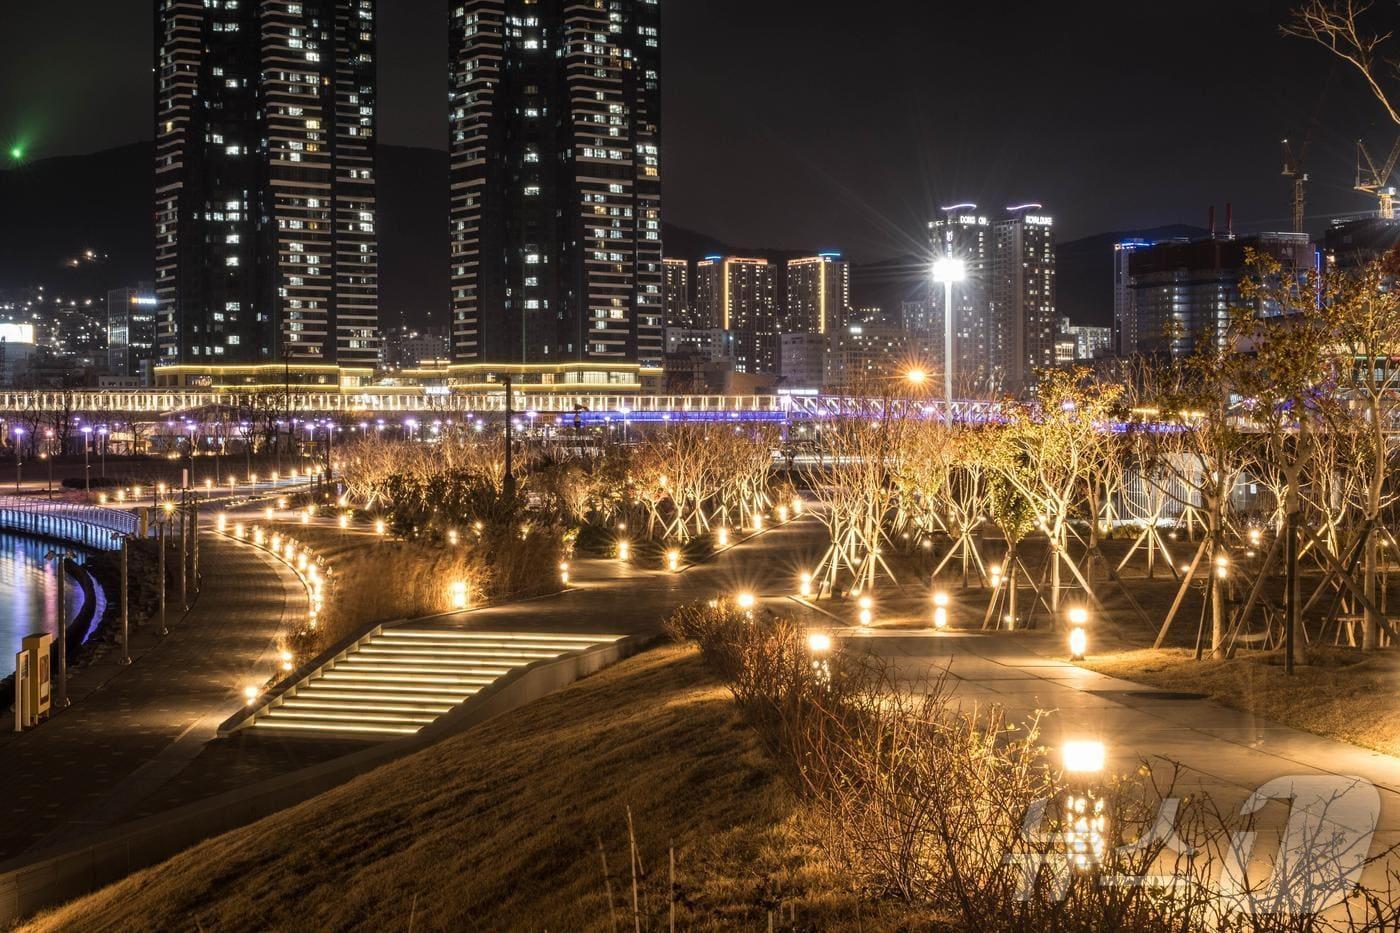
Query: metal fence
[{"x": 88, "y": 525}]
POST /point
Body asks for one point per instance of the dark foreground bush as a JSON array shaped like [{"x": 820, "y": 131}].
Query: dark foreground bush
[{"x": 967, "y": 815}]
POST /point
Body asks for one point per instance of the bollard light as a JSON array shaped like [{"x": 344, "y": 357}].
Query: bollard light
[
  {"x": 250, "y": 694},
  {"x": 1222, "y": 567},
  {"x": 745, "y": 601},
  {"x": 1082, "y": 756},
  {"x": 452, "y": 536},
  {"x": 624, "y": 551},
  {"x": 819, "y": 643},
  {"x": 673, "y": 560},
  {"x": 221, "y": 522},
  {"x": 723, "y": 536},
  {"x": 1078, "y": 643},
  {"x": 797, "y": 505},
  {"x": 805, "y": 588},
  {"x": 757, "y": 522},
  {"x": 379, "y": 526},
  {"x": 564, "y": 573},
  {"x": 782, "y": 513},
  {"x": 867, "y": 610},
  {"x": 286, "y": 660},
  {"x": 459, "y": 594}
]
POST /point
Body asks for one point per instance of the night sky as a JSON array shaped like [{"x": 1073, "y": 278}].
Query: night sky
[{"x": 815, "y": 123}]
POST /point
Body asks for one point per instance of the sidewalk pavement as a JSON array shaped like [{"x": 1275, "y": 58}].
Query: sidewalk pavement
[{"x": 128, "y": 729}]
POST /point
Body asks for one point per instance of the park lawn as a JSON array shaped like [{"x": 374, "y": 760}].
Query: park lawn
[
  {"x": 1341, "y": 693},
  {"x": 501, "y": 826}
]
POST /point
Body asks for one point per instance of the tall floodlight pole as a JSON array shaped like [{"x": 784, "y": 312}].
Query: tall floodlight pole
[{"x": 947, "y": 271}]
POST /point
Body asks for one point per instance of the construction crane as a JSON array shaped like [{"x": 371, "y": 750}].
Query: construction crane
[
  {"x": 1293, "y": 168},
  {"x": 1376, "y": 181}
]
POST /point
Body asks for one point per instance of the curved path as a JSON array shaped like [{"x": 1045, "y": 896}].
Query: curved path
[{"x": 129, "y": 728}]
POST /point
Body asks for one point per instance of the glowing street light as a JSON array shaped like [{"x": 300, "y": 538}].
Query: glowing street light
[
  {"x": 1078, "y": 638},
  {"x": 459, "y": 594},
  {"x": 947, "y": 271}
]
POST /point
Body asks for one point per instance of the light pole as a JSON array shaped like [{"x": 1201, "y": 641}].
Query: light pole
[
  {"x": 19, "y": 465},
  {"x": 87, "y": 467},
  {"x": 125, "y": 601},
  {"x": 60, "y": 641},
  {"x": 508, "y": 484},
  {"x": 947, "y": 271},
  {"x": 48, "y": 455},
  {"x": 102, "y": 448}
]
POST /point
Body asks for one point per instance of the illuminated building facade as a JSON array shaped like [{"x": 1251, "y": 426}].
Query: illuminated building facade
[
  {"x": 555, "y": 147},
  {"x": 965, "y": 235},
  {"x": 131, "y": 330},
  {"x": 266, "y": 244},
  {"x": 675, "y": 294},
  {"x": 1024, "y": 325},
  {"x": 818, "y": 293},
  {"x": 740, "y": 295}
]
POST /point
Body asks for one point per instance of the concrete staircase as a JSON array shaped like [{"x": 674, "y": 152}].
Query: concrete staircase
[{"x": 400, "y": 679}]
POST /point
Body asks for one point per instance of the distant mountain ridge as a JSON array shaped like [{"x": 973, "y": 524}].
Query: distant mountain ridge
[{"x": 54, "y": 209}]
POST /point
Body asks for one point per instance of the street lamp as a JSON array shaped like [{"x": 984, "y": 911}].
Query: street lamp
[
  {"x": 87, "y": 469},
  {"x": 19, "y": 466},
  {"x": 946, "y": 271}
]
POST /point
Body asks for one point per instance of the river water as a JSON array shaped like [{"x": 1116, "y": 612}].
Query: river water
[{"x": 28, "y": 594}]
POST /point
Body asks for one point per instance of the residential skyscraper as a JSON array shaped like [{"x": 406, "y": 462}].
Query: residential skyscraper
[
  {"x": 1024, "y": 324},
  {"x": 739, "y": 295},
  {"x": 675, "y": 294},
  {"x": 965, "y": 235},
  {"x": 1183, "y": 290},
  {"x": 266, "y": 245},
  {"x": 1125, "y": 335},
  {"x": 556, "y": 189},
  {"x": 818, "y": 293},
  {"x": 131, "y": 330}
]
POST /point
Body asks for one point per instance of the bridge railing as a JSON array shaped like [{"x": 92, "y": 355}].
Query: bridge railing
[{"x": 87, "y": 525}]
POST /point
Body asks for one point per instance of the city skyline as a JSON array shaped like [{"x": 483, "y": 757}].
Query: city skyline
[{"x": 871, "y": 186}]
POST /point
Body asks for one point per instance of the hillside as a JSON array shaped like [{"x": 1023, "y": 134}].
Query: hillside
[{"x": 501, "y": 828}]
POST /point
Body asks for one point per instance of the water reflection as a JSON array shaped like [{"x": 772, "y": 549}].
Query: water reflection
[{"x": 28, "y": 594}]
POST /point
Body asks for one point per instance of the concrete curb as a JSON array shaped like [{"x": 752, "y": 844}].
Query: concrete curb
[{"x": 30, "y": 884}]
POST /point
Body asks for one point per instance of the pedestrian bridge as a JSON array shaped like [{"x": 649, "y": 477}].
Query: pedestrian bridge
[{"x": 165, "y": 404}]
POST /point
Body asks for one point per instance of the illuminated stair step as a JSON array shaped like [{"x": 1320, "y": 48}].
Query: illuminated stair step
[
  {"x": 414, "y": 651},
  {"x": 368, "y": 704},
  {"x": 499, "y": 636},
  {"x": 341, "y": 727},
  {"x": 419, "y": 666},
  {"x": 350, "y": 715},
  {"x": 423, "y": 644},
  {"x": 399, "y": 691},
  {"x": 342, "y": 674}
]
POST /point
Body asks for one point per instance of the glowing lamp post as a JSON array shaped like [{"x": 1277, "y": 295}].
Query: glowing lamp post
[
  {"x": 940, "y": 610},
  {"x": 947, "y": 271},
  {"x": 459, "y": 594},
  {"x": 1078, "y": 638},
  {"x": 1086, "y": 824}
]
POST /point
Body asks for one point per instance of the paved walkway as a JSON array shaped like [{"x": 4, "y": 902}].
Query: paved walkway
[
  {"x": 1225, "y": 753},
  {"x": 607, "y": 597},
  {"x": 129, "y": 729}
]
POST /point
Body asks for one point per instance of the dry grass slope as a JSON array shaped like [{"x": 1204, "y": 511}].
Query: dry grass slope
[
  {"x": 499, "y": 828},
  {"x": 1341, "y": 693}
]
